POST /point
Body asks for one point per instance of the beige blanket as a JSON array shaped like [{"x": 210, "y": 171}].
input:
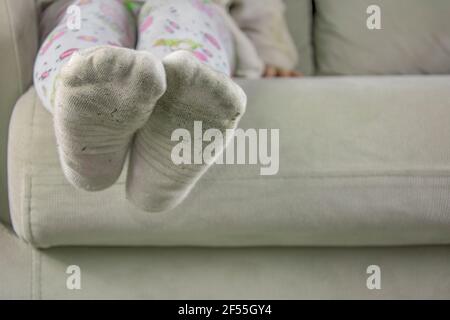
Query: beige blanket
[{"x": 261, "y": 34}]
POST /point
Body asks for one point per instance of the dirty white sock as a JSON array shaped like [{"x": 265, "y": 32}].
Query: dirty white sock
[
  {"x": 103, "y": 96},
  {"x": 195, "y": 92}
]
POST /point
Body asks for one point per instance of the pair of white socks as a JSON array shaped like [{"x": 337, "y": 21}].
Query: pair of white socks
[{"x": 111, "y": 99}]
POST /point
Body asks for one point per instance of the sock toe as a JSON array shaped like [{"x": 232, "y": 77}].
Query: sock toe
[
  {"x": 103, "y": 96},
  {"x": 195, "y": 92}
]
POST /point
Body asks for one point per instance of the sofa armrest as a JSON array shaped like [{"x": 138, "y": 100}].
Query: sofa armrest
[
  {"x": 18, "y": 46},
  {"x": 363, "y": 161}
]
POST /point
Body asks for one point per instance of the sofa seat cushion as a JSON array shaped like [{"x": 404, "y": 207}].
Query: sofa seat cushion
[{"x": 363, "y": 161}]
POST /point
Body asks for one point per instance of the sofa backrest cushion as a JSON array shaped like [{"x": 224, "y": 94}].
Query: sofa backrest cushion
[
  {"x": 299, "y": 17},
  {"x": 414, "y": 37}
]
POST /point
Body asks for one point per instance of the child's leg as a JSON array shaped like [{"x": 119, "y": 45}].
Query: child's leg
[
  {"x": 102, "y": 23},
  {"x": 198, "y": 89},
  {"x": 99, "y": 96},
  {"x": 166, "y": 26}
]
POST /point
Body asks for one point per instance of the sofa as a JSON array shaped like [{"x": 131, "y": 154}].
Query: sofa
[{"x": 363, "y": 181}]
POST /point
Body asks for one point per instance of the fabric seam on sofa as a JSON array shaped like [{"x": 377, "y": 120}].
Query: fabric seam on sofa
[
  {"x": 28, "y": 224},
  {"x": 329, "y": 175},
  {"x": 28, "y": 185}
]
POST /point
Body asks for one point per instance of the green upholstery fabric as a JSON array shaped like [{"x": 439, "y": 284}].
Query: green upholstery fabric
[
  {"x": 363, "y": 164},
  {"x": 18, "y": 45},
  {"x": 300, "y": 20},
  {"x": 187, "y": 273},
  {"x": 16, "y": 279},
  {"x": 414, "y": 39}
]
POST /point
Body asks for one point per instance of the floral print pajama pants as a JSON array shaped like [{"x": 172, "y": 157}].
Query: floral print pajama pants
[{"x": 157, "y": 26}]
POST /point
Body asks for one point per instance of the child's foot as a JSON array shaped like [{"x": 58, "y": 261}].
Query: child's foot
[
  {"x": 103, "y": 96},
  {"x": 195, "y": 92}
]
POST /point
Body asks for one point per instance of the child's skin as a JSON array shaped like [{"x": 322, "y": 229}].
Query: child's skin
[{"x": 277, "y": 72}]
